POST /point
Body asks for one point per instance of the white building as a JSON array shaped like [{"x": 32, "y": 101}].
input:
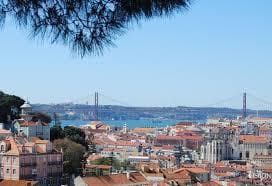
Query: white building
[
  {"x": 214, "y": 151},
  {"x": 28, "y": 128},
  {"x": 251, "y": 145}
]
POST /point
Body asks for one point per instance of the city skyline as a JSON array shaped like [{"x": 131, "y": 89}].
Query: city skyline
[{"x": 208, "y": 53}]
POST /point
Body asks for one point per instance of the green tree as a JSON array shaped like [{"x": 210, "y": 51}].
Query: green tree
[
  {"x": 115, "y": 163},
  {"x": 75, "y": 134},
  {"x": 86, "y": 26},
  {"x": 103, "y": 161},
  {"x": 56, "y": 132},
  {"x": 36, "y": 116},
  {"x": 73, "y": 155},
  {"x": 9, "y": 106},
  {"x": 126, "y": 165}
]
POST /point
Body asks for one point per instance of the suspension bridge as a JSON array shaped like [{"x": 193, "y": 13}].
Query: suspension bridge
[
  {"x": 244, "y": 102},
  {"x": 237, "y": 101}
]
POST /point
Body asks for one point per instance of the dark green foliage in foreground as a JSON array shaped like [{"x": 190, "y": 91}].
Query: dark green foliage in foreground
[
  {"x": 75, "y": 134},
  {"x": 86, "y": 26},
  {"x": 9, "y": 106},
  {"x": 36, "y": 116},
  {"x": 73, "y": 155},
  {"x": 72, "y": 133},
  {"x": 56, "y": 132}
]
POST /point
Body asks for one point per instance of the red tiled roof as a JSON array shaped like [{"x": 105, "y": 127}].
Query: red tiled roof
[
  {"x": 196, "y": 170},
  {"x": 18, "y": 183},
  {"x": 3, "y": 131},
  {"x": 125, "y": 143},
  {"x": 94, "y": 157},
  {"x": 253, "y": 139},
  {"x": 143, "y": 130},
  {"x": 210, "y": 183},
  {"x": 184, "y": 124},
  {"x": 114, "y": 180},
  {"x": 39, "y": 150},
  {"x": 182, "y": 174},
  {"x": 24, "y": 123},
  {"x": 183, "y": 137}
]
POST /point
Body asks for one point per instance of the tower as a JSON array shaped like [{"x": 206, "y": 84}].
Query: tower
[
  {"x": 26, "y": 110},
  {"x": 96, "y": 105},
  {"x": 244, "y": 106},
  {"x": 125, "y": 128}
]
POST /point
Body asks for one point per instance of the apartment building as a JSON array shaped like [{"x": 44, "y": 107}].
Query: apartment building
[{"x": 23, "y": 159}]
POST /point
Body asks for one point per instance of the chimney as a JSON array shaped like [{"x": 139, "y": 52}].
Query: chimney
[{"x": 128, "y": 175}]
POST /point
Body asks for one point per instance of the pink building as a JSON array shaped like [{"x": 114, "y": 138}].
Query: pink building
[{"x": 22, "y": 159}]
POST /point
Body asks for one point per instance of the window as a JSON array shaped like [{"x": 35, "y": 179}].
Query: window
[
  {"x": 14, "y": 159},
  {"x": 247, "y": 154},
  {"x": 14, "y": 171},
  {"x": 7, "y": 159},
  {"x": 7, "y": 171},
  {"x": 2, "y": 147}
]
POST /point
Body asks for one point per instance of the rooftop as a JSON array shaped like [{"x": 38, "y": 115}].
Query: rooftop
[
  {"x": 18, "y": 183},
  {"x": 26, "y": 105},
  {"x": 114, "y": 180},
  {"x": 253, "y": 139}
]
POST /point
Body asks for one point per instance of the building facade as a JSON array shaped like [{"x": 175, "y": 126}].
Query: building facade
[
  {"x": 251, "y": 145},
  {"x": 215, "y": 150},
  {"x": 30, "y": 160},
  {"x": 28, "y": 128}
]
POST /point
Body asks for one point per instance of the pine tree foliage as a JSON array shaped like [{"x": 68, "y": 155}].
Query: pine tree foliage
[{"x": 86, "y": 26}]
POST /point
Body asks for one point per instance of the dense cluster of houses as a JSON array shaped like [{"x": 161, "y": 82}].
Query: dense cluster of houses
[{"x": 219, "y": 152}]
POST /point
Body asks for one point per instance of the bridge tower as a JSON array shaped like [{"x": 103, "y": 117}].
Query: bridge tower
[
  {"x": 244, "y": 115},
  {"x": 96, "y": 105}
]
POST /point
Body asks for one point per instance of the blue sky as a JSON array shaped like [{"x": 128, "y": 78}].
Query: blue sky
[{"x": 215, "y": 50}]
